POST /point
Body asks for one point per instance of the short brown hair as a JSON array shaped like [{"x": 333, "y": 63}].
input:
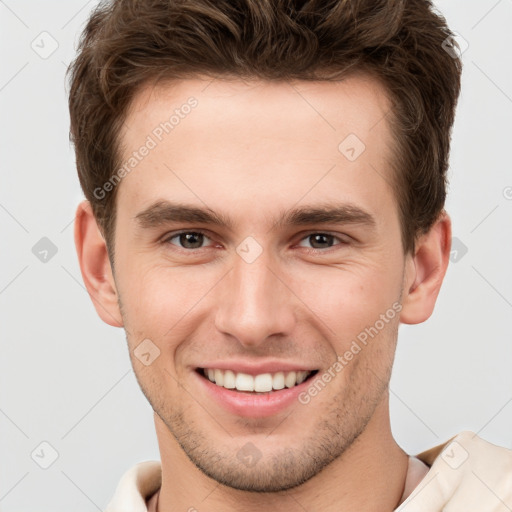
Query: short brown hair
[{"x": 129, "y": 43}]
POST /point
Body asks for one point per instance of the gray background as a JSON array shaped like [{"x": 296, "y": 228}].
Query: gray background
[{"x": 65, "y": 377}]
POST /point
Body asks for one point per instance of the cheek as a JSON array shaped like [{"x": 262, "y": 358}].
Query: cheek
[
  {"x": 349, "y": 299},
  {"x": 158, "y": 299}
]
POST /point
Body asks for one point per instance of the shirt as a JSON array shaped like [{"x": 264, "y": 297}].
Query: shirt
[{"x": 465, "y": 474}]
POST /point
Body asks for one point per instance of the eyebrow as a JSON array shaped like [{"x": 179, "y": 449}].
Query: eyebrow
[{"x": 164, "y": 212}]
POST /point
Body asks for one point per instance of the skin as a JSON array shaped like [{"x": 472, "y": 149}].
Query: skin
[{"x": 253, "y": 151}]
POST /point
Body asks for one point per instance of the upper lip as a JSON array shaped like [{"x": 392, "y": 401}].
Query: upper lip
[{"x": 257, "y": 368}]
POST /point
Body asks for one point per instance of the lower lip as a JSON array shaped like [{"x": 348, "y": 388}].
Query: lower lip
[{"x": 253, "y": 405}]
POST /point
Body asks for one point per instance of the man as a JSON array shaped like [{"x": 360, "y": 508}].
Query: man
[{"x": 265, "y": 185}]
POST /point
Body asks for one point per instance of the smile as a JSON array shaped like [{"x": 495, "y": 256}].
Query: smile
[{"x": 262, "y": 383}]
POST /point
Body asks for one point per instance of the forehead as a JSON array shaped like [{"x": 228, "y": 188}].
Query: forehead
[
  {"x": 263, "y": 140},
  {"x": 356, "y": 104}
]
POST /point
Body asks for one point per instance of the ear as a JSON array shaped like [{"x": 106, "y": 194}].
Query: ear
[
  {"x": 95, "y": 265},
  {"x": 425, "y": 271}
]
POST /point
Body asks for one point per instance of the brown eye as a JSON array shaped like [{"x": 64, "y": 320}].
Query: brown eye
[
  {"x": 320, "y": 240},
  {"x": 188, "y": 239}
]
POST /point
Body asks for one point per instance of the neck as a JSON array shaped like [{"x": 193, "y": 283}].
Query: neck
[{"x": 370, "y": 476}]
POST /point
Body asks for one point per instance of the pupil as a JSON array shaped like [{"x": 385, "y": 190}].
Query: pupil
[
  {"x": 322, "y": 237},
  {"x": 187, "y": 240}
]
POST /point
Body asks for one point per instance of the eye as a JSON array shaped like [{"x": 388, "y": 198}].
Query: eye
[
  {"x": 188, "y": 239},
  {"x": 322, "y": 240}
]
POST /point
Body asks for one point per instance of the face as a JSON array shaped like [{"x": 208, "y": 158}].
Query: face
[{"x": 257, "y": 242}]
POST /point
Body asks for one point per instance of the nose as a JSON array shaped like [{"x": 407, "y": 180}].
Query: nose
[{"x": 255, "y": 302}]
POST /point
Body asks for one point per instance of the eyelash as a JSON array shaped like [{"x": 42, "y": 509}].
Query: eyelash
[{"x": 168, "y": 238}]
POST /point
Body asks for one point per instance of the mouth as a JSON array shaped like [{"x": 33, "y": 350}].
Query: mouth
[{"x": 264, "y": 383}]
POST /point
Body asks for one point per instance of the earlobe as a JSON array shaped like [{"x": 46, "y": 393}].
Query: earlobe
[
  {"x": 95, "y": 265},
  {"x": 425, "y": 272}
]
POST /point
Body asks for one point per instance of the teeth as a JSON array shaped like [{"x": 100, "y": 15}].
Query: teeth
[
  {"x": 290, "y": 379},
  {"x": 278, "y": 380},
  {"x": 262, "y": 383},
  {"x": 243, "y": 382},
  {"x": 219, "y": 377},
  {"x": 301, "y": 377},
  {"x": 229, "y": 379}
]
